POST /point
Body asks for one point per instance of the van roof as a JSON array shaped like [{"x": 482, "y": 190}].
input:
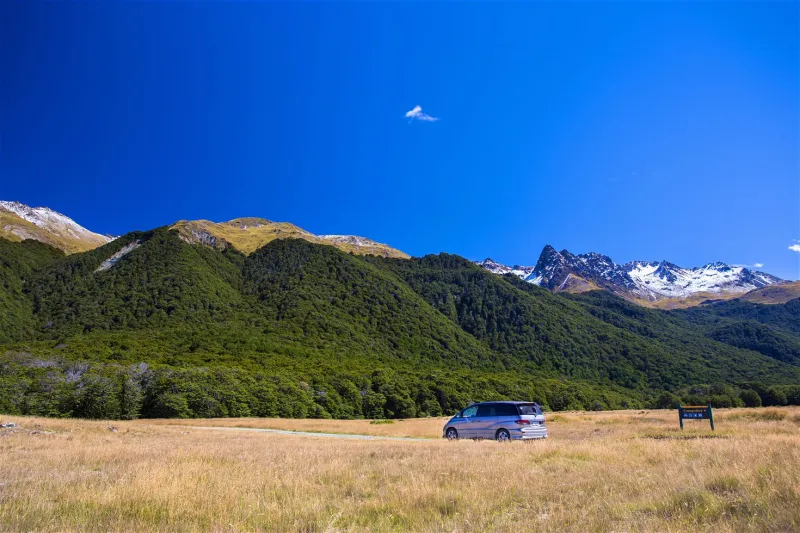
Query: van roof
[{"x": 513, "y": 402}]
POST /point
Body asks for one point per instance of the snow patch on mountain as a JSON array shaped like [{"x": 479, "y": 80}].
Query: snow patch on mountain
[
  {"x": 494, "y": 267},
  {"x": 52, "y": 223},
  {"x": 355, "y": 240},
  {"x": 356, "y": 244},
  {"x": 45, "y": 218}
]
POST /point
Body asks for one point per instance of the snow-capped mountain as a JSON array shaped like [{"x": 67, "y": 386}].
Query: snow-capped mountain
[
  {"x": 647, "y": 280},
  {"x": 496, "y": 268},
  {"x": 19, "y": 222},
  {"x": 666, "y": 280}
]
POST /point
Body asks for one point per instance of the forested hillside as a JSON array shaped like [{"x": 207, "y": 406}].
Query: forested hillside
[
  {"x": 785, "y": 317},
  {"x": 150, "y": 325},
  {"x": 18, "y": 261},
  {"x": 603, "y": 338}
]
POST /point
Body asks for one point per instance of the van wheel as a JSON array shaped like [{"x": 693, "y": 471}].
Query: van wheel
[
  {"x": 502, "y": 435},
  {"x": 451, "y": 434}
]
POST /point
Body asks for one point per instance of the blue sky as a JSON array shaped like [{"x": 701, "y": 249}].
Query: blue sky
[{"x": 642, "y": 130}]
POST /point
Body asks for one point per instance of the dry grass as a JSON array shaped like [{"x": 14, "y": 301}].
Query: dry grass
[
  {"x": 418, "y": 427},
  {"x": 613, "y": 471},
  {"x": 774, "y": 294},
  {"x": 688, "y": 301}
]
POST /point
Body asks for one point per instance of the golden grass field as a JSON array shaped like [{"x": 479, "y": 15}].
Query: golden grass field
[{"x": 609, "y": 471}]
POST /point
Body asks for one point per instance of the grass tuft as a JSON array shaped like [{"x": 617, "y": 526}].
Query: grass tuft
[
  {"x": 724, "y": 485},
  {"x": 759, "y": 415}
]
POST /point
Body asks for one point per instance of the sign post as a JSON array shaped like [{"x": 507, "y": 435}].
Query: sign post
[{"x": 696, "y": 412}]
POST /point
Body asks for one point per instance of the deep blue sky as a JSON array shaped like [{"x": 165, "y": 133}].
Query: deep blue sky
[{"x": 638, "y": 129}]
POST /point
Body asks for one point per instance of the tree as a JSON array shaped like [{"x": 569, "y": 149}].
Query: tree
[
  {"x": 750, "y": 398},
  {"x": 775, "y": 396}
]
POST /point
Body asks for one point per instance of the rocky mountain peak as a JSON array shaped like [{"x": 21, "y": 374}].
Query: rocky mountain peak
[{"x": 639, "y": 280}]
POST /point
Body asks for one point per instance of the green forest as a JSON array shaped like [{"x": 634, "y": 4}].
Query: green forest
[{"x": 297, "y": 329}]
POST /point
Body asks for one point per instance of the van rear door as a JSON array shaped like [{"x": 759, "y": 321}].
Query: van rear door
[{"x": 531, "y": 412}]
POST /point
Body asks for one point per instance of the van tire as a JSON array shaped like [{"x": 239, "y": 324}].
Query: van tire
[
  {"x": 502, "y": 435},
  {"x": 451, "y": 434}
]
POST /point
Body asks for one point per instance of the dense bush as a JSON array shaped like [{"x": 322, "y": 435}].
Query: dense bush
[
  {"x": 748, "y": 394},
  {"x": 58, "y": 387}
]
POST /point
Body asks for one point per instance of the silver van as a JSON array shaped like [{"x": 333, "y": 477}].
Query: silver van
[{"x": 502, "y": 421}]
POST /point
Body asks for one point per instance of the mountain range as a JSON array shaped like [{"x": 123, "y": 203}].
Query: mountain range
[
  {"x": 659, "y": 283},
  {"x": 19, "y": 221},
  {"x": 254, "y": 318},
  {"x": 655, "y": 284}
]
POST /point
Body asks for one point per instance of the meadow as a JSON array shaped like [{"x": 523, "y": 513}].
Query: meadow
[{"x": 604, "y": 471}]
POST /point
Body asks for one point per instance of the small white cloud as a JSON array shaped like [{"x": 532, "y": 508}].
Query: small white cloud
[
  {"x": 795, "y": 248},
  {"x": 758, "y": 265},
  {"x": 417, "y": 114}
]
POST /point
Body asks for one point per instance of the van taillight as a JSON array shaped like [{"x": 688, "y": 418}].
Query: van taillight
[{"x": 523, "y": 422}]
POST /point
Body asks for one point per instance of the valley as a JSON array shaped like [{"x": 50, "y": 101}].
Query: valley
[{"x": 620, "y": 470}]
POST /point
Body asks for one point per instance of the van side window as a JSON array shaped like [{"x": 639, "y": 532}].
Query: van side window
[
  {"x": 506, "y": 409},
  {"x": 469, "y": 411},
  {"x": 487, "y": 410}
]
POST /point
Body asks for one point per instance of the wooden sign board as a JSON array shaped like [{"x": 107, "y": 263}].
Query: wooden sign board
[{"x": 696, "y": 412}]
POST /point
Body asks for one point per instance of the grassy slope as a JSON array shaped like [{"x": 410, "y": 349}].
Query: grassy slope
[
  {"x": 249, "y": 234},
  {"x": 689, "y": 301},
  {"x": 575, "y": 285},
  {"x": 774, "y": 294}
]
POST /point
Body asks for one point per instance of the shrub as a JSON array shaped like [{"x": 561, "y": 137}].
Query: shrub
[{"x": 750, "y": 398}]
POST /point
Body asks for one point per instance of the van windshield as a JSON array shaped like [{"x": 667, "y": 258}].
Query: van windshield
[
  {"x": 529, "y": 409},
  {"x": 469, "y": 411}
]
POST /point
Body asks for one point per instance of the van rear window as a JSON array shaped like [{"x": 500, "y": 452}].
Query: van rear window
[{"x": 529, "y": 409}]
